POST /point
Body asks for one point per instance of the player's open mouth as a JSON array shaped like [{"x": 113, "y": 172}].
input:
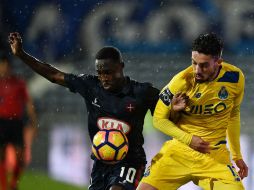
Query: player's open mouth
[
  {"x": 198, "y": 77},
  {"x": 106, "y": 85}
]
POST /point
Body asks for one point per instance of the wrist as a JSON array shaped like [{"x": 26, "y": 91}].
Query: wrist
[
  {"x": 186, "y": 139},
  {"x": 236, "y": 158},
  {"x": 21, "y": 53}
]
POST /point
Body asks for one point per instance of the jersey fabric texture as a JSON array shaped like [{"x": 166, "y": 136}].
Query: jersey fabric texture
[
  {"x": 213, "y": 111},
  {"x": 124, "y": 110},
  {"x": 13, "y": 99}
]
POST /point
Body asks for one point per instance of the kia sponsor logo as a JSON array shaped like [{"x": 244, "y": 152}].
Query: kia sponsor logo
[{"x": 111, "y": 123}]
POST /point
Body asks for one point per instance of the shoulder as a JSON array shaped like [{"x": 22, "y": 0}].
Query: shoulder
[
  {"x": 182, "y": 81},
  {"x": 81, "y": 77},
  {"x": 143, "y": 87},
  {"x": 184, "y": 75},
  {"x": 80, "y": 83},
  {"x": 231, "y": 73}
]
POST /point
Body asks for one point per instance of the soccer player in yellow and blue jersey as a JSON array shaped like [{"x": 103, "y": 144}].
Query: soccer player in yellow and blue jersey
[{"x": 207, "y": 97}]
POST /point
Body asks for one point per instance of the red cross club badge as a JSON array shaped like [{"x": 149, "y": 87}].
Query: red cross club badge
[{"x": 130, "y": 107}]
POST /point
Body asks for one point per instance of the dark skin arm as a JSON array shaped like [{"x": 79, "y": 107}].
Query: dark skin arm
[{"x": 46, "y": 70}]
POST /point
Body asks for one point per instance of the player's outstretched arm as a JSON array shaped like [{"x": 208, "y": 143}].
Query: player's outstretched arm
[{"x": 45, "y": 70}]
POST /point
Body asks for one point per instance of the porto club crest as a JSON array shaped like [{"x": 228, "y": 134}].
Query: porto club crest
[{"x": 223, "y": 93}]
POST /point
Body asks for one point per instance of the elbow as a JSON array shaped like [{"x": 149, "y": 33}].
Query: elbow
[
  {"x": 50, "y": 77},
  {"x": 53, "y": 80},
  {"x": 156, "y": 122},
  {"x": 57, "y": 78}
]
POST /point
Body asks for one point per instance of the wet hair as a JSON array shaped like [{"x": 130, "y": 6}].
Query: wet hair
[
  {"x": 209, "y": 44},
  {"x": 109, "y": 52}
]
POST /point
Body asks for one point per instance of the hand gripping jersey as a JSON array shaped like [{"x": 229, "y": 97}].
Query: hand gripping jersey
[
  {"x": 213, "y": 110},
  {"x": 124, "y": 110}
]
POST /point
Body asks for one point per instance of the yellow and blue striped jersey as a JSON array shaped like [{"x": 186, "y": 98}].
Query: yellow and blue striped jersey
[{"x": 213, "y": 109}]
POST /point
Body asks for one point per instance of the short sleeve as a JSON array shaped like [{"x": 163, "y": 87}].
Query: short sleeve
[
  {"x": 152, "y": 98},
  {"x": 177, "y": 84},
  {"x": 78, "y": 83},
  {"x": 240, "y": 90}
]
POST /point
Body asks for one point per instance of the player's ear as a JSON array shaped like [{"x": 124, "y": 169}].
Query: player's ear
[{"x": 220, "y": 60}]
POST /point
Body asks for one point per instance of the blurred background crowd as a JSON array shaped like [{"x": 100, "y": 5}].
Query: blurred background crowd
[{"x": 155, "y": 37}]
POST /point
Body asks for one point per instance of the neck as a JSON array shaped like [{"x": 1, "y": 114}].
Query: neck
[
  {"x": 122, "y": 81},
  {"x": 119, "y": 85},
  {"x": 216, "y": 73}
]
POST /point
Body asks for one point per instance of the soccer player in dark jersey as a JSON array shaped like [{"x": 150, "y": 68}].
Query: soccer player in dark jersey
[
  {"x": 15, "y": 105},
  {"x": 112, "y": 100}
]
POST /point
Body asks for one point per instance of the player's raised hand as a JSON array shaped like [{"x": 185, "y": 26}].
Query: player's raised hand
[
  {"x": 243, "y": 168},
  {"x": 199, "y": 144},
  {"x": 16, "y": 43},
  {"x": 179, "y": 101}
]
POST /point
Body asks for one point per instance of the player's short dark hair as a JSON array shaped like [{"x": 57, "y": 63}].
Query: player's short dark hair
[
  {"x": 209, "y": 44},
  {"x": 109, "y": 52}
]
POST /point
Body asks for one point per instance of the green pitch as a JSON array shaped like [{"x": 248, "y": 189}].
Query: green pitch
[{"x": 39, "y": 181}]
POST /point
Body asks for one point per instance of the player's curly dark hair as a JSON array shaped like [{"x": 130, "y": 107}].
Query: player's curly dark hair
[
  {"x": 109, "y": 52},
  {"x": 209, "y": 44}
]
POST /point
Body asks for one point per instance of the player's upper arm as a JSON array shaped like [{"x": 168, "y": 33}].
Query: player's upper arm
[
  {"x": 163, "y": 121},
  {"x": 163, "y": 107},
  {"x": 162, "y": 111}
]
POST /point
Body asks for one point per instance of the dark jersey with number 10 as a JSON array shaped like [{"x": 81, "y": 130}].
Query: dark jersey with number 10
[{"x": 124, "y": 110}]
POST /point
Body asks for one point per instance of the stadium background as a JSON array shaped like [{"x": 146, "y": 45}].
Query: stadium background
[{"x": 155, "y": 38}]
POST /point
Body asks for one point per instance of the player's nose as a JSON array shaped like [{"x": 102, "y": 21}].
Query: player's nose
[
  {"x": 198, "y": 70},
  {"x": 103, "y": 77}
]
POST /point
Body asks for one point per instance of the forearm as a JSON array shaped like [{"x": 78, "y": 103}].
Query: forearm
[
  {"x": 233, "y": 133},
  {"x": 163, "y": 120},
  {"x": 32, "y": 125},
  {"x": 169, "y": 128},
  {"x": 32, "y": 114},
  {"x": 29, "y": 134},
  {"x": 44, "y": 69}
]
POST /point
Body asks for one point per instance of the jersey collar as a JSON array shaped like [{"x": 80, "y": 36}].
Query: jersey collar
[{"x": 126, "y": 89}]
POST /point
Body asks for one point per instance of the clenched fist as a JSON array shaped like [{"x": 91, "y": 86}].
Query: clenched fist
[{"x": 16, "y": 43}]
